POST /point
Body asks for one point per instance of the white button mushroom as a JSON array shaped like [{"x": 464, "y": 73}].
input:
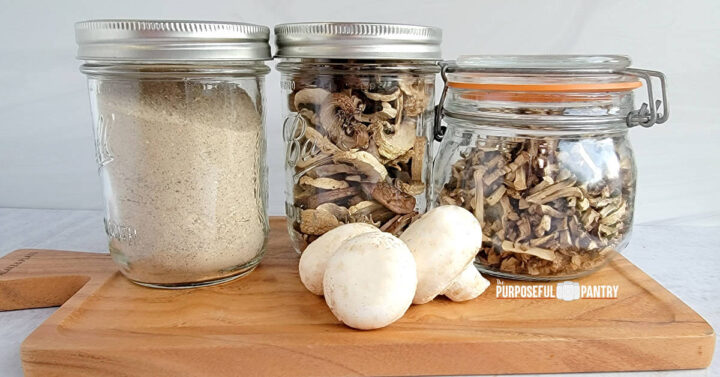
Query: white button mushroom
[
  {"x": 316, "y": 255},
  {"x": 444, "y": 242},
  {"x": 370, "y": 281}
]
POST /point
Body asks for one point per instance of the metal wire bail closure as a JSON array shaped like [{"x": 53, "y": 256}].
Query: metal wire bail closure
[
  {"x": 649, "y": 115},
  {"x": 438, "y": 128}
]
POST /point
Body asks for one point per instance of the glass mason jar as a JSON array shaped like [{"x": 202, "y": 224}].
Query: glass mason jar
[
  {"x": 537, "y": 148},
  {"x": 358, "y": 106},
  {"x": 178, "y": 120}
]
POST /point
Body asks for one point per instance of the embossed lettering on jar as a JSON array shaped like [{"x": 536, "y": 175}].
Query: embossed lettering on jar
[
  {"x": 358, "y": 117},
  {"x": 180, "y": 146}
]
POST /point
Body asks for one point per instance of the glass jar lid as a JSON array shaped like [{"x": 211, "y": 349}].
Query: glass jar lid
[
  {"x": 520, "y": 74},
  {"x": 357, "y": 40},
  {"x": 568, "y": 88},
  {"x": 171, "y": 41},
  {"x": 600, "y": 63}
]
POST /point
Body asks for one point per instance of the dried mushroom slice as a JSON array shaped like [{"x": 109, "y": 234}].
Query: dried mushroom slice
[
  {"x": 413, "y": 188},
  {"x": 383, "y": 97},
  {"x": 323, "y": 183},
  {"x": 369, "y": 211},
  {"x": 541, "y": 253},
  {"x": 319, "y": 141},
  {"x": 331, "y": 196},
  {"x": 364, "y": 160},
  {"x": 392, "y": 198},
  {"x": 415, "y": 100},
  {"x": 340, "y": 213},
  {"x": 337, "y": 118},
  {"x": 364, "y": 208},
  {"x": 317, "y": 222},
  {"x": 386, "y": 113},
  {"x": 547, "y": 206},
  {"x": 400, "y": 163},
  {"x": 418, "y": 159},
  {"x": 331, "y": 169},
  {"x": 393, "y": 142},
  {"x": 398, "y": 223},
  {"x": 310, "y": 97}
]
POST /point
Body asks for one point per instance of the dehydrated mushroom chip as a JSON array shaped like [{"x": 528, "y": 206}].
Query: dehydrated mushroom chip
[
  {"x": 540, "y": 215},
  {"x": 362, "y": 150}
]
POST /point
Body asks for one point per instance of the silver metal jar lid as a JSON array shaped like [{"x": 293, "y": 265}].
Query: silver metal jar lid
[
  {"x": 357, "y": 40},
  {"x": 171, "y": 41}
]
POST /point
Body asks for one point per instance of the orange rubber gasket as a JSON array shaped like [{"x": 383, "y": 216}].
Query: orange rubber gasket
[
  {"x": 490, "y": 95},
  {"x": 587, "y": 87}
]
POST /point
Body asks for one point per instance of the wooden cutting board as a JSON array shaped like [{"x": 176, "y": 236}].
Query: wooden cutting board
[{"x": 268, "y": 324}]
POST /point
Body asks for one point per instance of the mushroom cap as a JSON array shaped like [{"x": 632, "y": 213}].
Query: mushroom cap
[
  {"x": 370, "y": 281},
  {"x": 444, "y": 241},
  {"x": 316, "y": 255}
]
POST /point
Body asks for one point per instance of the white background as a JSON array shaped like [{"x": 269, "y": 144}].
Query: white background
[{"x": 46, "y": 147}]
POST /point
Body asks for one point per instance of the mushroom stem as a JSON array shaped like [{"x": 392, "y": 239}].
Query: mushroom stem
[
  {"x": 444, "y": 241},
  {"x": 467, "y": 286}
]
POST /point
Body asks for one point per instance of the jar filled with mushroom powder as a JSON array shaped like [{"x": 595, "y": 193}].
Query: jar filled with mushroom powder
[
  {"x": 537, "y": 148},
  {"x": 358, "y": 101},
  {"x": 177, "y": 108}
]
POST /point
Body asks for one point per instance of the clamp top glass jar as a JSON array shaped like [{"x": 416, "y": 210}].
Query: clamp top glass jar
[
  {"x": 536, "y": 147},
  {"x": 178, "y": 113},
  {"x": 358, "y": 117}
]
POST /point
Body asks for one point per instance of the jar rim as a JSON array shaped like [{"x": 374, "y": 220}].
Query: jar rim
[
  {"x": 358, "y": 40},
  {"x": 157, "y": 70},
  {"x": 129, "y": 40},
  {"x": 557, "y": 63}
]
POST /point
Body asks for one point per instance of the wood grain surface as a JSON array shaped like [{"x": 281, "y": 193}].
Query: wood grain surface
[{"x": 268, "y": 324}]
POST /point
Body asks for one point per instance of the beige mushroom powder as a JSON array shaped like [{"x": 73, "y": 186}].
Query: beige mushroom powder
[{"x": 184, "y": 174}]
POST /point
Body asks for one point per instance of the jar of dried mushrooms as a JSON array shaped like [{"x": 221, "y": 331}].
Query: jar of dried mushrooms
[
  {"x": 537, "y": 148},
  {"x": 177, "y": 108},
  {"x": 358, "y": 117}
]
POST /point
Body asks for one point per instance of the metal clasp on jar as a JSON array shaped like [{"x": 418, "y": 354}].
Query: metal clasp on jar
[
  {"x": 648, "y": 115},
  {"x": 438, "y": 128}
]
